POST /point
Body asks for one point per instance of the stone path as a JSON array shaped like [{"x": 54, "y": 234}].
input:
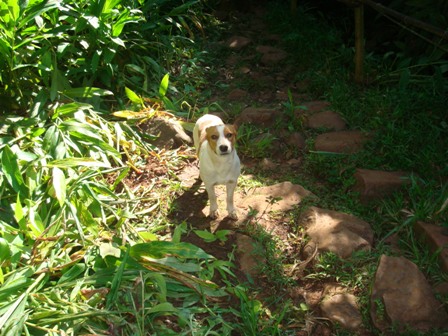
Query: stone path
[{"x": 400, "y": 296}]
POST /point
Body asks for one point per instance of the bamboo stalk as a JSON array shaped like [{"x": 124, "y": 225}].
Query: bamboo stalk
[
  {"x": 294, "y": 7},
  {"x": 359, "y": 43},
  {"x": 407, "y": 20}
]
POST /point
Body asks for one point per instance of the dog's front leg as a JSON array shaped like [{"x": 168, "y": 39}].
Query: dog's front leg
[
  {"x": 230, "y": 189},
  {"x": 213, "y": 202}
]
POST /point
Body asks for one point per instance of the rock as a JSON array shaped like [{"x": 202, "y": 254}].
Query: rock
[
  {"x": 376, "y": 184},
  {"x": 441, "y": 289},
  {"x": 232, "y": 60},
  {"x": 402, "y": 298},
  {"x": 343, "y": 309},
  {"x": 237, "y": 94},
  {"x": 243, "y": 70},
  {"x": 347, "y": 142},
  {"x": 268, "y": 164},
  {"x": 248, "y": 260},
  {"x": 337, "y": 232},
  {"x": 326, "y": 119},
  {"x": 279, "y": 197},
  {"x": 437, "y": 239},
  {"x": 296, "y": 140},
  {"x": 273, "y": 37},
  {"x": 264, "y": 49},
  {"x": 258, "y": 116},
  {"x": 315, "y": 106},
  {"x": 273, "y": 59},
  {"x": 271, "y": 55},
  {"x": 169, "y": 132},
  {"x": 238, "y": 42}
]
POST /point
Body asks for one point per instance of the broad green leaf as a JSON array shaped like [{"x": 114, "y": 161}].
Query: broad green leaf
[
  {"x": 56, "y": 83},
  {"x": 59, "y": 185},
  {"x": 11, "y": 170},
  {"x": 160, "y": 282},
  {"x": 19, "y": 214},
  {"x": 131, "y": 114},
  {"x": 13, "y": 319},
  {"x": 163, "y": 88},
  {"x": 164, "y": 307},
  {"x": 73, "y": 273},
  {"x": 35, "y": 10},
  {"x": 70, "y": 109},
  {"x": 108, "y": 249},
  {"x": 147, "y": 236},
  {"x": 118, "y": 41},
  {"x": 87, "y": 92},
  {"x": 35, "y": 223},
  {"x": 188, "y": 267},
  {"x": 178, "y": 231},
  {"x": 77, "y": 162},
  {"x": 5, "y": 250},
  {"x": 161, "y": 249},
  {"x": 116, "y": 281},
  {"x": 206, "y": 235},
  {"x": 133, "y": 97},
  {"x": 14, "y": 9}
]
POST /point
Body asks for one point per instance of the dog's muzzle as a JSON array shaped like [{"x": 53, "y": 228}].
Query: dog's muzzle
[{"x": 224, "y": 150}]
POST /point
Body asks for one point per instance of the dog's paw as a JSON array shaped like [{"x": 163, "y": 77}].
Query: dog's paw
[
  {"x": 214, "y": 214},
  {"x": 233, "y": 215}
]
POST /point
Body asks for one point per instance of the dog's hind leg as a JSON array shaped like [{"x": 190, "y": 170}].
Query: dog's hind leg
[
  {"x": 213, "y": 201},
  {"x": 230, "y": 189}
]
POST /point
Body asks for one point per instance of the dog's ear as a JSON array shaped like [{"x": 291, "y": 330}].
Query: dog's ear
[{"x": 233, "y": 128}]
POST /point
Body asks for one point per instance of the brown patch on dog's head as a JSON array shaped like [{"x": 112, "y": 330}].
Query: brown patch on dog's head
[
  {"x": 212, "y": 136},
  {"x": 230, "y": 133}
]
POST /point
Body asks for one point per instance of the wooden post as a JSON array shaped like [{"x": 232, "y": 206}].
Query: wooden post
[
  {"x": 294, "y": 7},
  {"x": 359, "y": 43}
]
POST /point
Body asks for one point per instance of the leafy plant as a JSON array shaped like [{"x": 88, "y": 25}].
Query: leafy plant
[
  {"x": 210, "y": 237},
  {"x": 253, "y": 141}
]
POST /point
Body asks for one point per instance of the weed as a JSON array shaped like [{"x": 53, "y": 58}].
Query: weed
[{"x": 254, "y": 142}]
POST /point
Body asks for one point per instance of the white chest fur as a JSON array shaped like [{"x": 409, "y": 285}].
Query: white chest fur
[{"x": 218, "y": 169}]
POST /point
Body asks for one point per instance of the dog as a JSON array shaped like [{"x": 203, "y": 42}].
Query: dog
[{"x": 219, "y": 163}]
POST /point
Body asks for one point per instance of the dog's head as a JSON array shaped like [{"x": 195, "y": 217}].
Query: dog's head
[{"x": 221, "y": 138}]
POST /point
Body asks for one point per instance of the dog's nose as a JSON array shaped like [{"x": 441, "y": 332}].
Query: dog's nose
[{"x": 223, "y": 148}]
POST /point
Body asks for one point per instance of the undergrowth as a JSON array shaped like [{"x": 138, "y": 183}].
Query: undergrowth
[{"x": 83, "y": 252}]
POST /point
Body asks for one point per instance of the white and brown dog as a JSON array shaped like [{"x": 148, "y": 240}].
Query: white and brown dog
[{"x": 219, "y": 163}]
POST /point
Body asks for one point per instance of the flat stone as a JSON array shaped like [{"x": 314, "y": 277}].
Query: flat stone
[
  {"x": 238, "y": 42},
  {"x": 273, "y": 59},
  {"x": 401, "y": 297},
  {"x": 343, "y": 309},
  {"x": 248, "y": 260},
  {"x": 169, "y": 132},
  {"x": 337, "y": 232},
  {"x": 258, "y": 116},
  {"x": 437, "y": 239},
  {"x": 296, "y": 140},
  {"x": 232, "y": 60},
  {"x": 315, "y": 106},
  {"x": 237, "y": 94},
  {"x": 264, "y": 49},
  {"x": 344, "y": 142},
  {"x": 278, "y": 197},
  {"x": 326, "y": 119},
  {"x": 271, "y": 55},
  {"x": 377, "y": 184}
]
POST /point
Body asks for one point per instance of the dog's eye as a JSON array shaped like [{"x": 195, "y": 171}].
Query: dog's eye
[
  {"x": 229, "y": 135},
  {"x": 215, "y": 137}
]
